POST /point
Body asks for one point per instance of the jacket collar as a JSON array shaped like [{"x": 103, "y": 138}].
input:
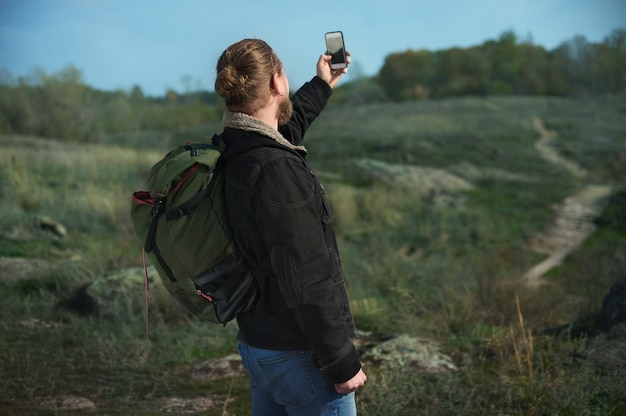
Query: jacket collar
[{"x": 242, "y": 121}]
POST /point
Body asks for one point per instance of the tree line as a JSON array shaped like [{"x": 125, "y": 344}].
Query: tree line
[
  {"x": 507, "y": 66},
  {"x": 61, "y": 105}
]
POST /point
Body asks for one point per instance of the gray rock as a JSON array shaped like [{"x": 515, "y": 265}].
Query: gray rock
[
  {"x": 613, "y": 310},
  {"x": 436, "y": 185},
  {"x": 404, "y": 351},
  {"x": 18, "y": 268},
  {"x": 54, "y": 227},
  {"x": 67, "y": 402},
  {"x": 218, "y": 368},
  {"x": 180, "y": 405},
  {"x": 122, "y": 293},
  {"x": 425, "y": 180}
]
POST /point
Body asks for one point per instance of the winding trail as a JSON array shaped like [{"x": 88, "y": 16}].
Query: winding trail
[
  {"x": 574, "y": 216},
  {"x": 544, "y": 146}
]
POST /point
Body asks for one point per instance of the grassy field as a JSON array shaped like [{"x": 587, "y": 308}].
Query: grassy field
[{"x": 431, "y": 261}]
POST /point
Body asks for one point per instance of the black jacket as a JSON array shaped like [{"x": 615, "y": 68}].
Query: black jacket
[{"x": 278, "y": 211}]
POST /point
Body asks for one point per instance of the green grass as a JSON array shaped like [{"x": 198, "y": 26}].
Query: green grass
[{"x": 446, "y": 271}]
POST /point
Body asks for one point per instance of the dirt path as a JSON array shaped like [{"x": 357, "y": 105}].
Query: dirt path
[
  {"x": 544, "y": 146},
  {"x": 574, "y": 217}
]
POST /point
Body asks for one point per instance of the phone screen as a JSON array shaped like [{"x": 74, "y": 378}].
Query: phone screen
[{"x": 336, "y": 48}]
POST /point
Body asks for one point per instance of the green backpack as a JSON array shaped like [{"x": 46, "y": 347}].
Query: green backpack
[{"x": 182, "y": 221}]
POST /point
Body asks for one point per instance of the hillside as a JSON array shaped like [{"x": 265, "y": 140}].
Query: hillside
[{"x": 470, "y": 224}]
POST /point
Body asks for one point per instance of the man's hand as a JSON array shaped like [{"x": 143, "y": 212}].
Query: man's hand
[
  {"x": 331, "y": 76},
  {"x": 353, "y": 384}
]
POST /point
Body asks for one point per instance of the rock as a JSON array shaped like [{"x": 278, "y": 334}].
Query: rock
[
  {"x": 54, "y": 227},
  {"x": 18, "y": 268},
  {"x": 405, "y": 351},
  {"x": 122, "y": 293},
  {"x": 37, "y": 324},
  {"x": 612, "y": 314},
  {"x": 487, "y": 173},
  {"x": 366, "y": 340},
  {"x": 613, "y": 310},
  {"x": 218, "y": 368},
  {"x": 188, "y": 405},
  {"x": 110, "y": 294},
  {"x": 437, "y": 184},
  {"x": 67, "y": 402},
  {"x": 118, "y": 289}
]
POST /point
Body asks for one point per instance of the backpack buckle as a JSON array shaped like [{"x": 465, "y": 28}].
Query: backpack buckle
[
  {"x": 192, "y": 151},
  {"x": 157, "y": 209}
]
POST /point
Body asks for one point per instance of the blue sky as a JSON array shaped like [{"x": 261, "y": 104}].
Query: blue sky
[{"x": 160, "y": 44}]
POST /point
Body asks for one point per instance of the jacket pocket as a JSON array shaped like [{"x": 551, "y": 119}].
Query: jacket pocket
[{"x": 326, "y": 214}]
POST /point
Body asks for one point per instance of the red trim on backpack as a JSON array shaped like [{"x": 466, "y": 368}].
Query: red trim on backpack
[
  {"x": 143, "y": 198},
  {"x": 190, "y": 172}
]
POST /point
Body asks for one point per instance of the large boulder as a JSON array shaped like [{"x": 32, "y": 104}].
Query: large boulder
[
  {"x": 612, "y": 314},
  {"x": 122, "y": 293},
  {"x": 406, "y": 352},
  {"x": 613, "y": 310},
  {"x": 605, "y": 348}
]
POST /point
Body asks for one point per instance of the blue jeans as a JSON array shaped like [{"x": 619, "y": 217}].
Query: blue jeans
[{"x": 286, "y": 383}]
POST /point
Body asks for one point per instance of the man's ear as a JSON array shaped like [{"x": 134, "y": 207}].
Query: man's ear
[{"x": 276, "y": 85}]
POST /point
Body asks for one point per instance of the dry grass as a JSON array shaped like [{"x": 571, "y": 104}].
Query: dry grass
[{"x": 447, "y": 268}]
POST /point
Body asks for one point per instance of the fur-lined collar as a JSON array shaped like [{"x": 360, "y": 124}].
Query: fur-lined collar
[{"x": 243, "y": 121}]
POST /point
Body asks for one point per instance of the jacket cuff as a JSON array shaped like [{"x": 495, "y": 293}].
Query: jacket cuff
[
  {"x": 344, "y": 368},
  {"x": 323, "y": 86}
]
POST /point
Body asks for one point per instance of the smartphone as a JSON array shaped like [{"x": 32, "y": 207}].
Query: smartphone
[{"x": 337, "y": 49}]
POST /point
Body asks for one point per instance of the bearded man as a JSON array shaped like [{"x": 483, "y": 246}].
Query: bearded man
[{"x": 296, "y": 344}]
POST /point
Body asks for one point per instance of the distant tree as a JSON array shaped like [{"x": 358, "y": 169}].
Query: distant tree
[
  {"x": 557, "y": 80},
  {"x": 579, "y": 52},
  {"x": 505, "y": 59},
  {"x": 136, "y": 95},
  {"x": 461, "y": 72},
  {"x": 121, "y": 112},
  {"x": 615, "y": 60},
  {"x": 533, "y": 70},
  {"x": 13, "y": 108},
  {"x": 171, "y": 96},
  {"x": 58, "y": 105},
  {"x": 208, "y": 97},
  {"x": 408, "y": 75}
]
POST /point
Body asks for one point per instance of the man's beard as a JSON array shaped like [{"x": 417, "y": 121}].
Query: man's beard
[{"x": 284, "y": 110}]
